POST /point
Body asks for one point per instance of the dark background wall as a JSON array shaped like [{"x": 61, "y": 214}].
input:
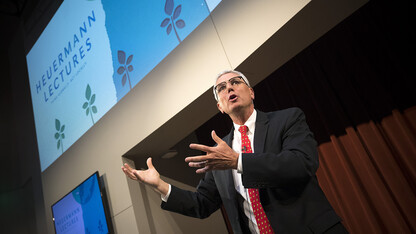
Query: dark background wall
[{"x": 21, "y": 198}]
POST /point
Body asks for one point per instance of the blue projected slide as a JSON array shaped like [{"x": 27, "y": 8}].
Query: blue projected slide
[
  {"x": 92, "y": 53},
  {"x": 82, "y": 210}
]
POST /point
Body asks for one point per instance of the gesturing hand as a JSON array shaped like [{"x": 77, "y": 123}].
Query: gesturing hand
[
  {"x": 219, "y": 157},
  {"x": 149, "y": 177}
]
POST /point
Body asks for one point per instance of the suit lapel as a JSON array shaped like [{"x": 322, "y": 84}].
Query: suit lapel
[
  {"x": 262, "y": 126},
  {"x": 229, "y": 138}
]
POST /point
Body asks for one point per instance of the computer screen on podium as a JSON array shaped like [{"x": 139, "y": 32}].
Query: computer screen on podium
[{"x": 83, "y": 210}]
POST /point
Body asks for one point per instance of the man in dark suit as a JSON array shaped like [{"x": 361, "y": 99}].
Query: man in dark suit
[{"x": 263, "y": 172}]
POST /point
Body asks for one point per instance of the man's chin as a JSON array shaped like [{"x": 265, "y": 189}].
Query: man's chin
[{"x": 236, "y": 109}]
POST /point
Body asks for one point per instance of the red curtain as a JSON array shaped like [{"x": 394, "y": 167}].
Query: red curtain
[{"x": 368, "y": 174}]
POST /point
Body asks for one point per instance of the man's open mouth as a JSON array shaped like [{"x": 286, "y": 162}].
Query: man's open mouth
[{"x": 232, "y": 97}]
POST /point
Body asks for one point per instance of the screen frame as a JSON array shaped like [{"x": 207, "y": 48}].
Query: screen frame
[{"x": 104, "y": 201}]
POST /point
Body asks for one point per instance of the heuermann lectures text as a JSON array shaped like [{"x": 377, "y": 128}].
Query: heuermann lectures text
[{"x": 55, "y": 74}]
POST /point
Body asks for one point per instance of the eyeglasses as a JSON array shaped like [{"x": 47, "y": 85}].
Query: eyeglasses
[{"x": 234, "y": 81}]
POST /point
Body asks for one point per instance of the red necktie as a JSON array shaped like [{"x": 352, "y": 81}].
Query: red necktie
[{"x": 261, "y": 219}]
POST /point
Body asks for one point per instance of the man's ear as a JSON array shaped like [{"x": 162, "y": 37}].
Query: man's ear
[
  {"x": 219, "y": 107},
  {"x": 252, "y": 93}
]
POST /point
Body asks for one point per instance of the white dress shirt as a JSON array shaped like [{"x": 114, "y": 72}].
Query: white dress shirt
[{"x": 238, "y": 182}]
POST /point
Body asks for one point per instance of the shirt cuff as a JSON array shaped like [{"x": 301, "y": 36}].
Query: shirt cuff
[
  {"x": 240, "y": 163},
  {"x": 165, "y": 198}
]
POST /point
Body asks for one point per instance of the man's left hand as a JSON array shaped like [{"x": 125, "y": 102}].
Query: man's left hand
[{"x": 219, "y": 157}]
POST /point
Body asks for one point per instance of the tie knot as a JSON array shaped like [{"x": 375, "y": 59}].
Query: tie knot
[{"x": 243, "y": 129}]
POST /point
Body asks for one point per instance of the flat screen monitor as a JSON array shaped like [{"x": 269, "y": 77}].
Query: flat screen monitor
[{"x": 83, "y": 210}]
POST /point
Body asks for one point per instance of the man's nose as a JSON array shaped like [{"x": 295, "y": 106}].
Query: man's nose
[{"x": 229, "y": 87}]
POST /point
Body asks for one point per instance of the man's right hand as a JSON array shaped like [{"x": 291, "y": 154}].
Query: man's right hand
[{"x": 149, "y": 177}]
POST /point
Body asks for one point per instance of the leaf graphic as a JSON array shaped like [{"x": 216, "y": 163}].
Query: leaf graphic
[
  {"x": 88, "y": 111},
  {"x": 169, "y": 29},
  {"x": 124, "y": 79},
  {"x": 62, "y": 128},
  {"x": 177, "y": 12},
  {"x": 121, "y": 56},
  {"x": 88, "y": 92},
  {"x": 56, "y": 135},
  {"x": 57, "y": 125},
  {"x": 180, "y": 23},
  {"x": 120, "y": 70},
  {"x": 169, "y": 7},
  {"x": 58, "y": 144},
  {"x": 63, "y": 135},
  {"x": 85, "y": 105},
  {"x": 92, "y": 100},
  {"x": 165, "y": 22},
  {"x": 129, "y": 59},
  {"x": 94, "y": 109},
  {"x": 130, "y": 68}
]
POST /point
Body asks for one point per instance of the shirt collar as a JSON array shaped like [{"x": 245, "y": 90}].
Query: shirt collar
[{"x": 250, "y": 123}]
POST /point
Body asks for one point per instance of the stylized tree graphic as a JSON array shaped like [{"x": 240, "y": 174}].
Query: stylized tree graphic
[
  {"x": 100, "y": 226},
  {"x": 124, "y": 69},
  {"x": 170, "y": 20},
  {"x": 59, "y": 135},
  {"x": 89, "y": 108}
]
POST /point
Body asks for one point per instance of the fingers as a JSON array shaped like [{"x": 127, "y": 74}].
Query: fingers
[
  {"x": 127, "y": 166},
  {"x": 149, "y": 163},
  {"x": 128, "y": 171},
  {"x": 196, "y": 158},
  {"x": 198, "y": 164},
  {"x": 216, "y": 138},
  {"x": 200, "y": 147},
  {"x": 137, "y": 175},
  {"x": 202, "y": 166},
  {"x": 205, "y": 148},
  {"x": 203, "y": 170}
]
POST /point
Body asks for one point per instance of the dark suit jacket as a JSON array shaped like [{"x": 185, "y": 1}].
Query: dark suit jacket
[{"x": 283, "y": 168}]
